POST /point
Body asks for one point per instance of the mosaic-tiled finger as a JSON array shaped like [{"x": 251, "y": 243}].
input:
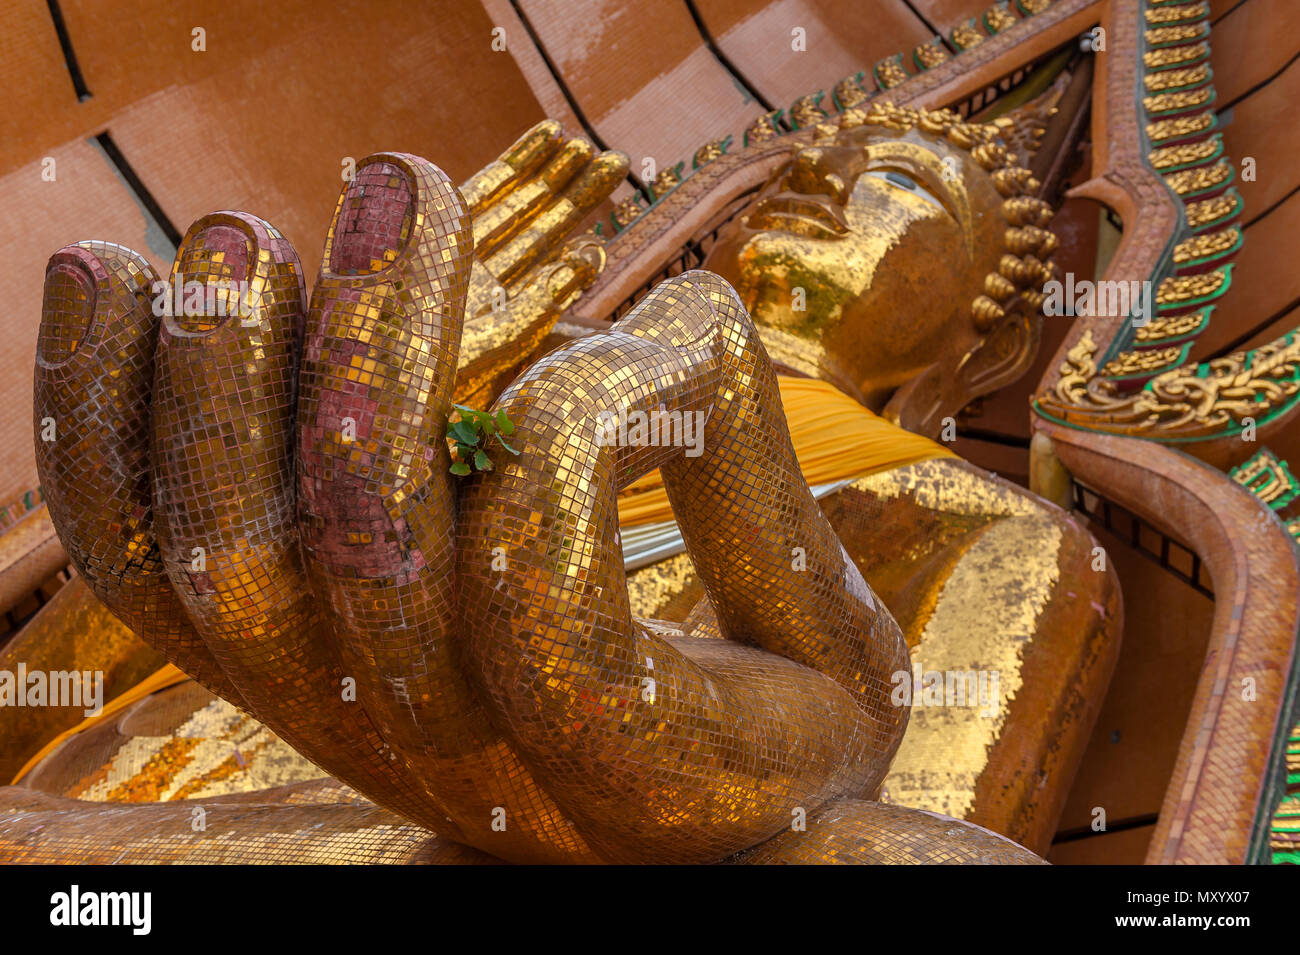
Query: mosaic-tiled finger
[
  {"x": 376, "y": 501},
  {"x": 663, "y": 748},
  {"x": 94, "y": 379},
  {"x": 505, "y": 173},
  {"x": 555, "y": 220},
  {"x": 776, "y": 574},
  {"x": 225, "y": 385}
]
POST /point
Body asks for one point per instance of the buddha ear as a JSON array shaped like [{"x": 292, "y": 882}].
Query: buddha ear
[
  {"x": 1003, "y": 355},
  {"x": 998, "y": 359}
]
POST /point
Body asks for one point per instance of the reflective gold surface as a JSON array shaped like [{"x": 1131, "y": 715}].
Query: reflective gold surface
[
  {"x": 74, "y": 631},
  {"x": 177, "y": 744},
  {"x": 995, "y": 588}
]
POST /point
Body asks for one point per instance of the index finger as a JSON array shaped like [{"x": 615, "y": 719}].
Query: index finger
[{"x": 527, "y": 153}]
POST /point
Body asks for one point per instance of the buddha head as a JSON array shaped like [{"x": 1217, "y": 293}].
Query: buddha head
[{"x": 900, "y": 255}]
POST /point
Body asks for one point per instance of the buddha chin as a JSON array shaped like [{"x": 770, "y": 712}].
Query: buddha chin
[{"x": 861, "y": 257}]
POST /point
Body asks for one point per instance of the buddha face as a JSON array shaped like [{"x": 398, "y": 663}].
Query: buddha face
[{"x": 861, "y": 257}]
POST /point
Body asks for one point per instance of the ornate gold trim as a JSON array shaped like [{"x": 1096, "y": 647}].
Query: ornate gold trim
[
  {"x": 1269, "y": 478},
  {"x": 1186, "y": 403},
  {"x": 1128, "y": 363},
  {"x": 1176, "y": 14}
]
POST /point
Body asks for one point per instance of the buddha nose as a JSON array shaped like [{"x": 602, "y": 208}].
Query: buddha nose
[{"x": 825, "y": 170}]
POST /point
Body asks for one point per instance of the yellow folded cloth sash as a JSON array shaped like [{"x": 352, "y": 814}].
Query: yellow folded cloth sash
[{"x": 835, "y": 438}]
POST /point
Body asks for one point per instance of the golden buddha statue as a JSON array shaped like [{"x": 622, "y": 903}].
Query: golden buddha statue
[
  {"x": 475, "y": 658},
  {"x": 901, "y": 250}
]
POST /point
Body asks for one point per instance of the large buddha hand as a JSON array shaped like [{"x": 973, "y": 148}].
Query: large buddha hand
[{"x": 260, "y": 487}]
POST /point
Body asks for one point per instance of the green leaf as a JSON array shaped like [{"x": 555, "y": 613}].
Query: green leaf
[
  {"x": 505, "y": 445},
  {"x": 464, "y": 433},
  {"x": 504, "y": 424},
  {"x": 481, "y": 461},
  {"x": 461, "y": 468}
]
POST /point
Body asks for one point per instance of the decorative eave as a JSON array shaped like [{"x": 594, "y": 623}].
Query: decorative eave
[
  {"x": 1138, "y": 382},
  {"x": 1229, "y": 774},
  {"x": 1269, "y": 478},
  {"x": 814, "y": 108},
  {"x": 1189, "y": 403}
]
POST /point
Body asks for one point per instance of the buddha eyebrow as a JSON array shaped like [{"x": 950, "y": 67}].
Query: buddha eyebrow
[
  {"x": 880, "y": 156},
  {"x": 913, "y": 182}
]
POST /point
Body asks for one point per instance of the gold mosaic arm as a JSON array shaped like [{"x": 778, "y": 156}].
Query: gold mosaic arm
[
  {"x": 295, "y": 824},
  {"x": 775, "y": 572},
  {"x": 299, "y": 823},
  {"x": 529, "y": 261},
  {"x": 672, "y": 749},
  {"x": 856, "y": 832}
]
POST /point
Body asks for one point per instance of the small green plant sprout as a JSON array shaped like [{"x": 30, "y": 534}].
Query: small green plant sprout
[{"x": 469, "y": 435}]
